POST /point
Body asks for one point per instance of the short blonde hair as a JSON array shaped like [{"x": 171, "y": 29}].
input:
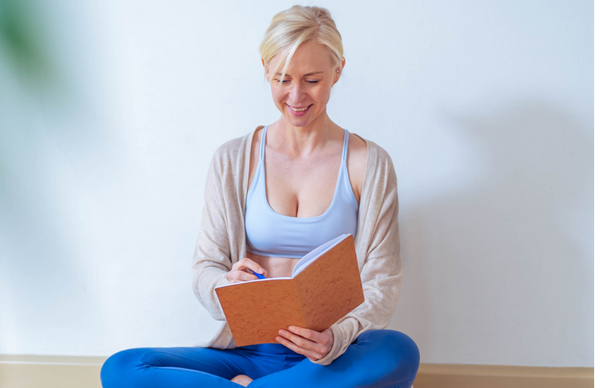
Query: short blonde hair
[{"x": 294, "y": 26}]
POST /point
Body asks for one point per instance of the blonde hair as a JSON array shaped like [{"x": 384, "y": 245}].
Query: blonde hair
[{"x": 294, "y": 26}]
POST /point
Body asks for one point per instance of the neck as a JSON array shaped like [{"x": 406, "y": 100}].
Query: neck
[{"x": 302, "y": 141}]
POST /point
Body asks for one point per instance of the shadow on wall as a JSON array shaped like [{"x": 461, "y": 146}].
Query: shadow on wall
[{"x": 507, "y": 262}]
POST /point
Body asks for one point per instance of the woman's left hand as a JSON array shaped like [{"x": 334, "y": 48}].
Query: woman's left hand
[{"x": 313, "y": 344}]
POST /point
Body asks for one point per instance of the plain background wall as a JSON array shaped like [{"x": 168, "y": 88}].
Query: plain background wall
[{"x": 485, "y": 107}]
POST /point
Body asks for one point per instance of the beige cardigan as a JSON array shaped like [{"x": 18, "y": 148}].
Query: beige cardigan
[{"x": 222, "y": 242}]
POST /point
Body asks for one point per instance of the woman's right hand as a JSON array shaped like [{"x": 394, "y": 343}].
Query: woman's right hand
[{"x": 242, "y": 271}]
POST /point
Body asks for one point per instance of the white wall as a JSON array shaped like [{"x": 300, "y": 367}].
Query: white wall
[{"x": 486, "y": 109}]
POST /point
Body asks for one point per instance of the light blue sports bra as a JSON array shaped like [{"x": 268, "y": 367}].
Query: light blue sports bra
[{"x": 269, "y": 233}]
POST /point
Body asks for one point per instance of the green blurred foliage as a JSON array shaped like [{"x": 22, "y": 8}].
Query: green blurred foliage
[{"x": 22, "y": 43}]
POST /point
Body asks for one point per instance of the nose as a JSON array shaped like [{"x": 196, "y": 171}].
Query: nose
[{"x": 297, "y": 93}]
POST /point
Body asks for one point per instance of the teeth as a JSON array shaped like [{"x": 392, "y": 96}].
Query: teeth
[{"x": 299, "y": 110}]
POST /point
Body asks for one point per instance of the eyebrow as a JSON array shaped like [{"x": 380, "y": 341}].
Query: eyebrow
[{"x": 316, "y": 72}]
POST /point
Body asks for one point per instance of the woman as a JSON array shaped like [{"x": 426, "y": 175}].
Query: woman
[{"x": 271, "y": 197}]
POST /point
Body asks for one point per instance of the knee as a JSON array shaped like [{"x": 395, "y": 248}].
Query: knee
[
  {"x": 116, "y": 368},
  {"x": 394, "y": 351}
]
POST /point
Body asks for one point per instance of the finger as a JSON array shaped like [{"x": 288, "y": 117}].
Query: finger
[
  {"x": 299, "y": 340},
  {"x": 240, "y": 265},
  {"x": 312, "y": 335},
  {"x": 244, "y": 276},
  {"x": 253, "y": 266},
  {"x": 252, "y": 274},
  {"x": 311, "y": 354},
  {"x": 317, "y": 340}
]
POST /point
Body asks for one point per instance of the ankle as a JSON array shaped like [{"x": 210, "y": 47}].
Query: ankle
[{"x": 242, "y": 380}]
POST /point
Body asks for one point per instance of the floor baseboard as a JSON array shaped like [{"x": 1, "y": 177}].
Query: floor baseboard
[
  {"x": 502, "y": 376},
  {"x": 25, "y": 371}
]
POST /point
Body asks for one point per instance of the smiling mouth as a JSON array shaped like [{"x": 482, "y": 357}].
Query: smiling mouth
[{"x": 299, "y": 110}]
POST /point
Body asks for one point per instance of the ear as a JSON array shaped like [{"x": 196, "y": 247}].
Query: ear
[
  {"x": 266, "y": 69},
  {"x": 338, "y": 70}
]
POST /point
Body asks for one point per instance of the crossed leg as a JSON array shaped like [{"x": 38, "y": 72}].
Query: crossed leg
[
  {"x": 377, "y": 359},
  {"x": 184, "y": 367}
]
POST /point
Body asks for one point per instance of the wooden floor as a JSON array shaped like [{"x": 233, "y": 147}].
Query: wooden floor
[
  {"x": 84, "y": 372},
  {"x": 502, "y": 376}
]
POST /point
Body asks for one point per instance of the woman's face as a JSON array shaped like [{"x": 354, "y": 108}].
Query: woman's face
[{"x": 306, "y": 87}]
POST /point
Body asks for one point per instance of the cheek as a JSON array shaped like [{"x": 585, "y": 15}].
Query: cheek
[
  {"x": 319, "y": 94},
  {"x": 322, "y": 94},
  {"x": 277, "y": 94}
]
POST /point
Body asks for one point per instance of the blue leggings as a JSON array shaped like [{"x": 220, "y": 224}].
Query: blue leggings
[{"x": 377, "y": 359}]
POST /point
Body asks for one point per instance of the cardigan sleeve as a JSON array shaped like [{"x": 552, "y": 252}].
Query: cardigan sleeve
[
  {"x": 211, "y": 260},
  {"x": 381, "y": 273}
]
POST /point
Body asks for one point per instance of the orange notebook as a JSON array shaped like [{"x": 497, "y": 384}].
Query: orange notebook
[{"x": 325, "y": 286}]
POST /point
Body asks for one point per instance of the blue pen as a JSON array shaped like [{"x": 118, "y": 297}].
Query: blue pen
[{"x": 257, "y": 274}]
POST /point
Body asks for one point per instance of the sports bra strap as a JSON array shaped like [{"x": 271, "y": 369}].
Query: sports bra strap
[
  {"x": 345, "y": 150},
  {"x": 262, "y": 143},
  {"x": 269, "y": 233}
]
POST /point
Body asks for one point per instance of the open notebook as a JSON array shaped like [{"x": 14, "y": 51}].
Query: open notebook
[{"x": 325, "y": 286}]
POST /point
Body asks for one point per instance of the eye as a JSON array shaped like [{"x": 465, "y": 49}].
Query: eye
[
  {"x": 284, "y": 81},
  {"x": 312, "y": 82}
]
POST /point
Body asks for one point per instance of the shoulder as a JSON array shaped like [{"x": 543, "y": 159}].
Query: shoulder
[
  {"x": 357, "y": 163},
  {"x": 380, "y": 173},
  {"x": 230, "y": 149},
  {"x": 357, "y": 155},
  {"x": 358, "y": 147},
  {"x": 373, "y": 154},
  {"x": 378, "y": 156},
  {"x": 233, "y": 151}
]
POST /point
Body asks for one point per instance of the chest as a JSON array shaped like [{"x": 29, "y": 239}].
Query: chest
[{"x": 301, "y": 187}]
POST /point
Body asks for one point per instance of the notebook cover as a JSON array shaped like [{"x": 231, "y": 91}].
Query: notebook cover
[
  {"x": 325, "y": 291},
  {"x": 256, "y": 310},
  {"x": 330, "y": 287}
]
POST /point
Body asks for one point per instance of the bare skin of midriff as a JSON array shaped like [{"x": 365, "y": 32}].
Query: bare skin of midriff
[{"x": 275, "y": 266}]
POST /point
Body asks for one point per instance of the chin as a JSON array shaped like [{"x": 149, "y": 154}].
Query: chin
[{"x": 298, "y": 121}]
